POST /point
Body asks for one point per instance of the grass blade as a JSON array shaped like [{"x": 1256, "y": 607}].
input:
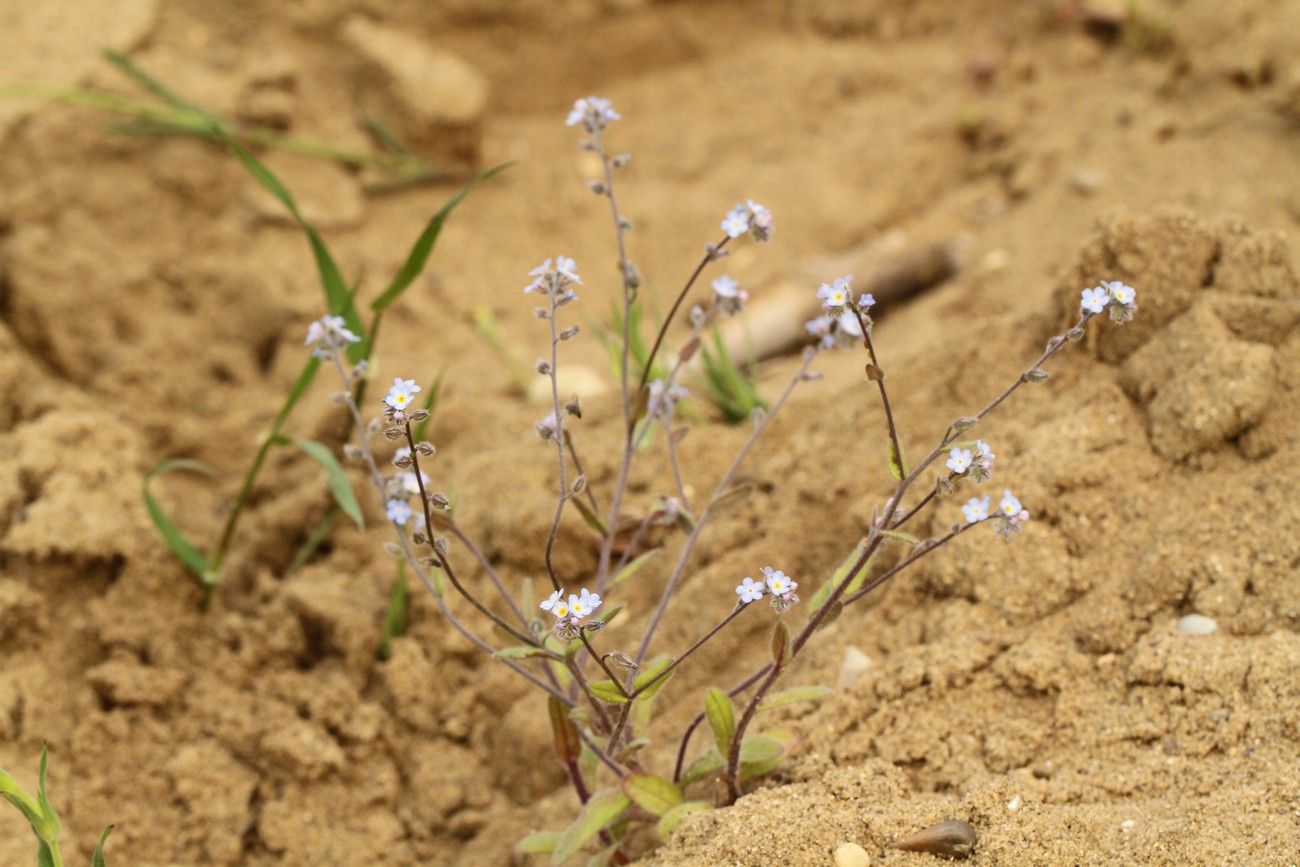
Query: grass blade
[
  {"x": 340, "y": 487},
  {"x": 185, "y": 550},
  {"x": 419, "y": 255}
]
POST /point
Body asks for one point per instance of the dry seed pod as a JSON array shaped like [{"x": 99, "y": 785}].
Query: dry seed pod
[{"x": 951, "y": 838}]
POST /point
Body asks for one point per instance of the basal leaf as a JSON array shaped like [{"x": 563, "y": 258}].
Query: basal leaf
[
  {"x": 653, "y": 794},
  {"x": 721, "y": 714},
  {"x": 601, "y": 810}
]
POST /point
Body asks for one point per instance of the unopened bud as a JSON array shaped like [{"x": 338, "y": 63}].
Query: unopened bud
[
  {"x": 579, "y": 485},
  {"x": 440, "y": 502},
  {"x": 621, "y": 160},
  {"x": 419, "y": 415},
  {"x": 596, "y": 187},
  {"x": 354, "y": 452},
  {"x": 1074, "y": 334},
  {"x": 541, "y": 313},
  {"x": 569, "y": 333},
  {"x": 393, "y": 433},
  {"x": 964, "y": 423},
  {"x": 426, "y": 449},
  {"x": 1036, "y": 375},
  {"x": 543, "y": 366},
  {"x": 574, "y": 407},
  {"x": 441, "y": 545}
]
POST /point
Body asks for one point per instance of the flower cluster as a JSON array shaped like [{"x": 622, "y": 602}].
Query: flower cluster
[
  {"x": 841, "y": 321},
  {"x": 593, "y": 113},
  {"x": 553, "y": 280},
  {"x": 328, "y": 335},
  {"x": 569, "y": 615},
  {"x": 974, "y": 463},
  {"x": 1114, "y": 296},
  {"x": 775, "y": 582},
  {"x": 1011, "y": 516},
  {"x": 663, "y": 399},
  {"x": 750, "y": 217},
  {"x": 728, "y": 294}
]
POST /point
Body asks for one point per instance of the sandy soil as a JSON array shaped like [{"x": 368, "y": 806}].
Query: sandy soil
[{"x": 153, "y": 305}]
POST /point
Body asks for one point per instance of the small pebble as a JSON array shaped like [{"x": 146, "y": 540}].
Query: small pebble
[
  {"x": 951, "y": 838},
  {"x": 1196, "y": 624},
  {"x": 1014, "y": 803},
  {"x": 851, "y": 855},
  {"x": 1087, "y": 182},
  {"x": 855, "y": 664}
]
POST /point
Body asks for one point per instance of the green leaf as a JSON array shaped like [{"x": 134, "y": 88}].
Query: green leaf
[
  {"x": 633, "y": 567},
  {"x": 338, "y": 299},
  {"x": 670, "y": 820},
  {"x": 841, "y": 575},
  {"x": 703, "y": 766},
  {"x": 538, "y": 843},
  {"x": 607, "y": 691},
  {"x": 522, "y": 651},
  {"x": 97, "y": 860},
  {"x": 45, "y": 856},
  {"x": 340, "y": 487},
  {"x": 594, "y": 521},
  {"x": 760, "y": 748},
  {"x": 48, "y": 827},
  {"x": 652, "y": 677},
  {"x": 419, "y": 255},
  {"x": 780, "y": 643},
  {"x": 653, "y": 794},
  {"x": 897, "y": 466},
  {"x": 568, "y": 745},
  {"x": 602, "y": 809},
  {"x": 721, "y": 714},
  {"x": 795, "y": 694},
  {"x": 185, "y": 550},
  {"x": 901, "y": 536}
]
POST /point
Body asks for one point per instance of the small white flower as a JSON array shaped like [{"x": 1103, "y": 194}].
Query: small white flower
[
  {"x": 726, "y": 287},
  {"x": 556, "y": 605},
  {"x": 866, "y": 302},
  {"x": 567, "y": 268},
  {"x": 398, "y": 512},
  {"x": 329, "y": 332},
  {"x": 593, "y": 113},
  {"x": 836, "y": 294},
  {"x": 663, "y": 399},
  {"x": 1125, "y": 295},
  {"x": 750, "y": 590},
  {"x": 408, "y": 484},
  {"x": 849, "y": 324},
  {"x": 550, "y": 602},
  {"x": 581, "y": 606},
  {"x": 1095, "y": 300},
  {"x": 778, "y": 582},
  {"x": 548, "y": 428},
  {"x": 736, "y": 223},
  {"x": 1009, "y": 506},
  {"x": 591, "y": 600},
  {"x": 402, "y": 393},
  {"x": 959, "y": 460},
  {"x": 976, "y": 509},
  {"x": 760, "y": 221}
]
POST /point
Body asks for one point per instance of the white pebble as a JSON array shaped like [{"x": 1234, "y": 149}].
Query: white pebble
[
  {"x": 854, "y": 665},
  {"x": 1014, "y": 803},
  {"x": 1196, "y": 624},
  {"x": 851, "y": 855}
]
